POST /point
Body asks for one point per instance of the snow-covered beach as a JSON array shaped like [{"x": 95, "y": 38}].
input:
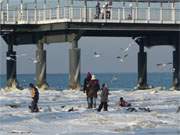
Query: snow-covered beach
[{"x": 55, "y": 119}]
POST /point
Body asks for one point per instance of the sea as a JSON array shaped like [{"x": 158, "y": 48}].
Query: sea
[{"x": 115, "y": 81}]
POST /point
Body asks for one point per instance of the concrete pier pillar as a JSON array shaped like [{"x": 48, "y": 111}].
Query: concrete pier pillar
[
  {"x": 11, "y": 67},
  {"x": 176, "y": 67},
  {"x": 41, "y": 66},
  {"x": 74, "y": 66},
  {"x": 142, "y": 68}
]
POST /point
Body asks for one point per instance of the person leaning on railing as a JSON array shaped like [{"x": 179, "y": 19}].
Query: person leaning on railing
[
  {"x": 98, "y": 11},
  {"x": 106, "y": 11}
]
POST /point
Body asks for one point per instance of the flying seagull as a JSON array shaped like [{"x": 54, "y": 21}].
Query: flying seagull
[
  {"x": 163, "y": 64},
  {"x": 96, "y": 54},
  {"x": 121, "y": 58},
  {"x": 126, "y": 49},
  {"x": 33, "y": 60},
  {"x": 9, "y": 58},
  {"x": 118, "y": 57},
  {"x": 125, "y": 55}
]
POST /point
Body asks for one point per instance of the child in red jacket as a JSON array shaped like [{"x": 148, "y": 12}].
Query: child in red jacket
[{"x": 123, "y": 103}]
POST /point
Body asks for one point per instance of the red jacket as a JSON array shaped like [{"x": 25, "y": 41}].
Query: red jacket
[{"x": 123, "y": 103}]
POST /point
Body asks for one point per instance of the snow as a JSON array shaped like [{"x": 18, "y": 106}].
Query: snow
[{"x": 55, "y": 119}]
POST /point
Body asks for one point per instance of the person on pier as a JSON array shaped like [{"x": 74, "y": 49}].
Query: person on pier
[{"x": 98, "y": 10}]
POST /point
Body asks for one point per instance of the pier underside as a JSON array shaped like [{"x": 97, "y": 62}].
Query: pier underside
[{"x": 145, "y": 35}]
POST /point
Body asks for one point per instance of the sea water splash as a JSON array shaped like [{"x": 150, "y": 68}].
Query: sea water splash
[{"x": 55, "y": 118}]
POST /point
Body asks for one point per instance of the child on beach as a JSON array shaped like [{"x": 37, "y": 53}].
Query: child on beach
[
  {"x": 123, "y": 103},
  {"x": 104, "y": 98}
]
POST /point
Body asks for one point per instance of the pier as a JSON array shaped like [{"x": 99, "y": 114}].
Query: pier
[{"x": 148, "y": 22}]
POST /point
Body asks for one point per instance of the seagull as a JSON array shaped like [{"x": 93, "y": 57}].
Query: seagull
[
  {"x": 33, "y": 60},
  {"x": 9, "y": 58},
  {"x": 96, "y": 55},
  {"x": 127, "y": 49},
  {"x": 120, "y": 58},
  {"x": 125, "y": 55},
  {"x": 163, "y": 64}
]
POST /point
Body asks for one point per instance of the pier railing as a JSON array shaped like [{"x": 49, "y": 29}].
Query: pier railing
[{"x": 82, "y": 14}]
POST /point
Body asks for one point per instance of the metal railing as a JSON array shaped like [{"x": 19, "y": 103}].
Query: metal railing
[{"x": 81, "y": 14}]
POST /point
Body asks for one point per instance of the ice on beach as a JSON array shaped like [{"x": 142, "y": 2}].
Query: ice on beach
[{"x": 56, "y": 119}]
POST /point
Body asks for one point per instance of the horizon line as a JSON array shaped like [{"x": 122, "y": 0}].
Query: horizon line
[{"x": 92, "y": 73}]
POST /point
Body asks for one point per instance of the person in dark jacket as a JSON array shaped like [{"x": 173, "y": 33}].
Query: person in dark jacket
[
  {"x": 92, "y": 93},
  {"x": 104, "y": 98},
  {"x": 35, "y": 98},
  {"x": 123, "y": 103},
  {"x": 86, "y": 84},
  {"x": 98, "y": 10}
]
